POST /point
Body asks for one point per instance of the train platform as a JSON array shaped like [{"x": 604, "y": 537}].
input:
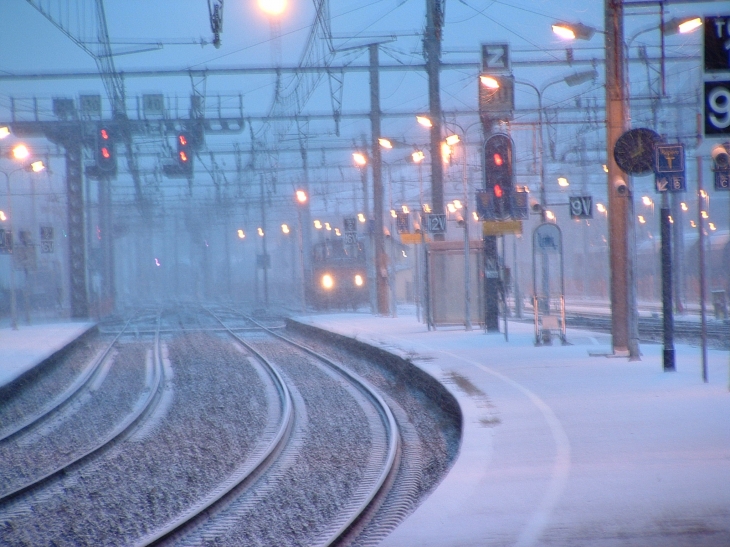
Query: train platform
[
  {"x": 563, "y": 446},
  {"x": 30, "y": 345}
]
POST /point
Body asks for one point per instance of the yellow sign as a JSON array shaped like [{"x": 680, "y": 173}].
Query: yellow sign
[
  {"x": 498, "y": 228},
  {"x": 412, "y": 239}
]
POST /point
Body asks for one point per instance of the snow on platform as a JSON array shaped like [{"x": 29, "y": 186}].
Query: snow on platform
[
  {"x": 563, "y": 449},
  {"x": 23, "y": 349}
]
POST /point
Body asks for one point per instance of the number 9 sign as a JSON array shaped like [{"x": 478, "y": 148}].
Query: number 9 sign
[{"x": 717, "y": 108}]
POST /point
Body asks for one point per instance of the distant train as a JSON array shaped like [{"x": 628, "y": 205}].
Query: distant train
[{"x": 339, "y": 275}]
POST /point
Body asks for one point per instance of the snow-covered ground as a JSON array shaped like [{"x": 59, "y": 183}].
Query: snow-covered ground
[{"x": 562, "y": 448}]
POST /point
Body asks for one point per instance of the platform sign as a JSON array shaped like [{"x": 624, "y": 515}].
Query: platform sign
[
  {"x": 502, "y": 227},
  {"x": 402, "y": 222},
  {"x": 671, "y": 183},
  {"x": 495, "y": 57},
  {"x": 722, "y": 179},
  {"x": 435, "y": 223},
  {"x": 350, "y": 224},
  {"x": 669, "y": 158},
  {"x": 581, "y": 206},
  {"x": 350, "y": 238},
  {"x": 717, "y": 36},
  {"x": 717, "y": 108}
]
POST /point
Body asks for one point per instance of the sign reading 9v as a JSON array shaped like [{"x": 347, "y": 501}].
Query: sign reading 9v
[{"x": 717, "y": 108}]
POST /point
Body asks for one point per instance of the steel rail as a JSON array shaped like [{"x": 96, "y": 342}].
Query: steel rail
[
  {"x": 389, "y": 422},
  {"x": 246, "y": 473},
  {"x": 133, "y": 419},
  {"x": 86, "y": 376}
]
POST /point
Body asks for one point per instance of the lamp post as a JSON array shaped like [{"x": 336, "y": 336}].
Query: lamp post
[
  {"x": 19, "y": 152},
  {"x": 302, "y": 198},
  {"x": 467, "y": 250}
]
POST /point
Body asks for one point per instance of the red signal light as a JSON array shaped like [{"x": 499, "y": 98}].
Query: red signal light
[
  {"x": 105, "y": 153},
  {"x": 183, "y": 156},
  {"x": 498, "y": 159},
  {"x": 182, "y": 139},
  {"x": 498, "y": 192},
  {"x": 104, "y": 134}
]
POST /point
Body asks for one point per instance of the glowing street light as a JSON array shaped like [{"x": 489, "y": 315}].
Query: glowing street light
[
  {"x": 318, "y": 224},
  {"x": 684, "y": 207},
  {"x": 301, "y": 196},
  {"x": 600, "y": 207},
  {"x": 646, "y": 200},
  {"x": 573, "y": 31},
  {"x": 562, "y": 181},
  {"x": 4, "y": 131},
  {"x": 360, "y": 159},
  {"x": 418, "y": 156},
  {"x": 361, "y": 217},
  {"x": 451, "y": 140},
  {"x": 490, "y": 82},
  {"x": 241, "y": 234},
  {"x": 681, "y": 25},
  {"x": 424, "y": 121},
  {"x": 272, "y": 7},
  {"x": 385, "y": 143},
  {"x": 20, "y": 152},
  {"x": 285, "y": 228},
  {"x": 260, "y": 231}
]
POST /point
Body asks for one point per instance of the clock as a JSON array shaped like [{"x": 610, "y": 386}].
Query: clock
[{"x": 634, "y": 151}]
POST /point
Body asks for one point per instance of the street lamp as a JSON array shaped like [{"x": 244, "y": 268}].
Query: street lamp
[{"x": 20, "y": 152}]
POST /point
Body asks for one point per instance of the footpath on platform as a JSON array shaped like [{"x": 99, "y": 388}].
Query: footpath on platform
[
  {"x": 30, "y": 345},
  {"x": 564, "y": 449},
  {"x": 559, "y": 448}
]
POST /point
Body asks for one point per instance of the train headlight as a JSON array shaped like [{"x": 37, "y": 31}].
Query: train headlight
[
  {"x": 359, "y": 280},
  {"x": 328, "y": 282}
]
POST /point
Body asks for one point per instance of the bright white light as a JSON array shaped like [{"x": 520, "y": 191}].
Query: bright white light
[
  {"x": 646, "y": 200},
  {"x": 490, "y": 82},
  {"x": 426, "y": 208},
  {"x": 272, "y": 7},
  {"x": 241, "y": 235},
  {"x": 328, "y": 281},
  {"x": 4, "y": 131},
  {"x": 457, "y": 204},
  {"x": 37, "y": 166},
  {"x": 684, "y": 207},
  {"x": 393, "y": 213},
  {"x": 261, "y": 231},
  {"x": 704, "y": 214},
  {"x": 451, "y": 140},
  {"x": 549, "y": 215},
  {"x": 337, "y": 232},
  {"x": 564, "y": 32},
  {"x": 712, "y": 226},
  {"x": 327, "y": 226},
  {"x": 451, "y": 207},
  {"x": 475, "y": 215},
  {"x": 424, "y": 121},
  {"x": 689, "y": 26},
  {"x": 562, "y": 181},
  {"x": 642, "y": 220},
  {"x": 418, "y": 156},
  {"x": 692, "y": 223},
  {"x": 3, "y": 218},
  {"x": 359, "y": 158},
  {"x": 20, "y": 152},
  {"x": 157, "y": 262},
  {"x": 301, "y": 196},
  {"x": 601, "y": 207},
  {"x": 405, "y": 209},
  {"x": 359, "y": 280},
  {"x": 385, "y": 143},
  {"x": 361, "y": 217},
  {"x": 285, "y": 228},
  {"x": 671, "y": 220},
  {"x": 445, "y": 152},
  {"x": 318, "y": 224},
  {"x": 605, "y": 168}
]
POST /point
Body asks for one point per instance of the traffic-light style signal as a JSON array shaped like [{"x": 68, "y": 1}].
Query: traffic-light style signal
[
  {"x": 105, "y": 153},
  {"x": 498, "y": 173},
  {"x": 184, "y": 152}
]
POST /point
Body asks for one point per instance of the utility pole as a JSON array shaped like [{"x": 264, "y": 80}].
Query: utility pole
[
  {"x": 619, "y": 203},
  {"x": 381, "y": 259},
  {"x": 432, "y": 51}
]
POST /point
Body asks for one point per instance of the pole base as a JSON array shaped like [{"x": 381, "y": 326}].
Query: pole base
[{"x": 669, "y": 360}]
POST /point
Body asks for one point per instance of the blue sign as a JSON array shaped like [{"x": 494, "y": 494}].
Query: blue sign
[
  {"x": 722, "y": 180},
  {"x": 671, "y": 183},
  {"x": 669, "y": 158}
]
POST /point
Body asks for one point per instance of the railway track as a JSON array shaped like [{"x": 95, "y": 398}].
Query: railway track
[
  {"x": 78, "y": 389},
  {"x": 256, "y": 437}
]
